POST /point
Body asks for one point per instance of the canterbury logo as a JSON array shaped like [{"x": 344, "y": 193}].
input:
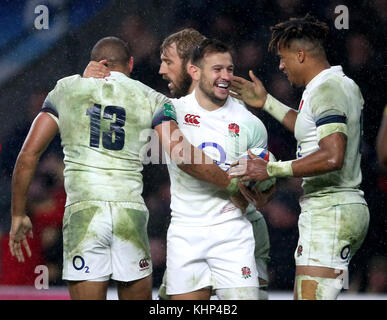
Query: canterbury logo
[
  {"x": 143, "y": 263},
  {"x": 191, "y": 118}
]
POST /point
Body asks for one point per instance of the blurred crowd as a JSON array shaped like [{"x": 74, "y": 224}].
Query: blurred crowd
[{"x": 245, "y": 25}]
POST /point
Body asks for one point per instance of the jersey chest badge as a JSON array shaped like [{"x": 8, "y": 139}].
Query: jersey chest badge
[
  {"x": 192, "y": 120},
  {"x": 233, "y": 130}
]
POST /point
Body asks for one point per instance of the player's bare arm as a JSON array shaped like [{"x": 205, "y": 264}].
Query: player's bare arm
[
  {"x": 255, "y": 95},
  {"x": 192, "y": 160},
  {"x": 381, "y": 142},
  {"x": 329, "y": 157},
  {"x": 42, "y": 131}
]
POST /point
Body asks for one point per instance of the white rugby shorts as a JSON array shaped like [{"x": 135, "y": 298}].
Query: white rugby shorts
[
  {"x": 329, "y": 237},
  {"x": 219, "y": 256},
  {"x": 105, "y": 240}
]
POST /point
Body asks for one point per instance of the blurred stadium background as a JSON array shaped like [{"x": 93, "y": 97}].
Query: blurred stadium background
[{"x": 32, "y": 60}]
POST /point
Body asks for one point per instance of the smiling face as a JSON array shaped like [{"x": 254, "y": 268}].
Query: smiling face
[
  {"x": 216, "y": 73},
  {"x": 174, "y": 72}
]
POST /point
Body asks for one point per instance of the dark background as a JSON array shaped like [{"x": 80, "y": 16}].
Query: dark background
[{"x": 360, "y": 49}]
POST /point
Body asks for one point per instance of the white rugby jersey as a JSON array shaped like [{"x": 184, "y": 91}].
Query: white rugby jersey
[
  {"x": 223, "y": 134},
  {"x": 331, "y": 103},
  {"x": 100, "y": 123}
]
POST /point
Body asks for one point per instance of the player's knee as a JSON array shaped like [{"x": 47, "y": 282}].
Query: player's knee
[
  {"x": 244, "y": 293},
  {"x": 317, "y": 288},
  {"x": 162, "y": 294},
  {"x": 263, "y": 294}
]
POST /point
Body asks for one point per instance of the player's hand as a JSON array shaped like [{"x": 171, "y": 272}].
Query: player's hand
[
  {"x": 240, "y": 202},
  {"x": 255, "y": 196},
  {"x": 254, "y": 168},
  {"x": 96, "y": 70},
  {"x": 252, "y": 93},
  {"x": 21, "y": 228}
]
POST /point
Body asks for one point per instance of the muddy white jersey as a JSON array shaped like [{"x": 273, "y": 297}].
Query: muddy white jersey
[
  {"x": 223, "y": 134},
  {"x": 100, "y": 123},
  {"x": 331, "y": 103}
]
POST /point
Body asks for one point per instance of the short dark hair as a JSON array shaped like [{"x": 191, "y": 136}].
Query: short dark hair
[
  {"x": 206, "y": 47},
  {"x": 113, "y": 49},
  {"x": 186, "y": 40},
  {"x": 307, "y": 28}
]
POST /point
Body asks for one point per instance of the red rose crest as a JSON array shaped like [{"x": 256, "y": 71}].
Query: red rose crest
[
  {"x": 233, "y": 129},
  {"x": 246, "y": 272},
  {"x": 299, "y": 250}
]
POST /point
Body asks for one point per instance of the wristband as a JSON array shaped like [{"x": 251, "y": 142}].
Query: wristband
[
  {"x": 233, "y": 189},
  {"x": 275, "y": 108},
  {"x": 279, "y": 169}
]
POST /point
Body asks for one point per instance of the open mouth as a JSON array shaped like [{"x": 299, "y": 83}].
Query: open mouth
[
  {"x": 222, "y": 85},
  {"x": 171, "y": 86}
]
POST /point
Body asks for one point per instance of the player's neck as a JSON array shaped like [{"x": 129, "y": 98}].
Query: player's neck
[
  {"x": 192, "y": 87},
  {"x": 205, "y": 102},
  {"x": 315, "y": 70},
  {"x": 121, "y": 70}
]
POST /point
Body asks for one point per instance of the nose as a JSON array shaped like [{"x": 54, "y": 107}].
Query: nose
[
  {"x": 281, "y": 66},
  {"x": 163, "y": 68},
  {"x": 226, "y": 75}
]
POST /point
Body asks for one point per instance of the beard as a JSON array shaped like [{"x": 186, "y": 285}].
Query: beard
[
  {"x": 182, "y": 88},
  {"x": 206, "y": 88}
]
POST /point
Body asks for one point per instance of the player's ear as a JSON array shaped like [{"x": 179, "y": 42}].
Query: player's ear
[
  {"x": 130, "y": 64},
  {"x": 301, "y": 55},
  {"x": 194, "y": 71}
]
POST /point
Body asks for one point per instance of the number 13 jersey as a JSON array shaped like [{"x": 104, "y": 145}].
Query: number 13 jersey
[{"x": 100, "y": 123}]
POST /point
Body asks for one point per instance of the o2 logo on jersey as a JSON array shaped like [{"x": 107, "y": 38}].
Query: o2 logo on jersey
[
  {"x": 192, "y": 120},
  {"x": 222, "y": 153},
  {"x": 299, "y": 150},
  {"x": 79, "y": 264}
]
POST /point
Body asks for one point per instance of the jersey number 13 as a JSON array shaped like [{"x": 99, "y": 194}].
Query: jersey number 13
[{"x": 112, "y": 139}]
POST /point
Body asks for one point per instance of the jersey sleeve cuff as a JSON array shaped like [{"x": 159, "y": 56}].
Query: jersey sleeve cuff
[
  {"x": 51, "y": 114},
  {"x": 165, "y": 113},
  {"x": 330, "y": 128}
]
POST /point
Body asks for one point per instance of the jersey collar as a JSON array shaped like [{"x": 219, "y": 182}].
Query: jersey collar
[
  {"x": 193, "y": 97},
  {"x": 333, "y": 69}
]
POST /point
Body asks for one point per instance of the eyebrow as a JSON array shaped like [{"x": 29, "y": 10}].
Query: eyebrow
[{"x": 222, "y": 66}]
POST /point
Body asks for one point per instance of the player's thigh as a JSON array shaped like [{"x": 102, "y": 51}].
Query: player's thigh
[
  {"x": 329, "y": 237},
  {"x": 130, "y": 250},
  {"x": 231, "y": 256},
  {"x": 201, "y": 294},
  {"x": 88, "y": 290},
  {"x": 162, "y": 293},
  {"x": 187, "y": 269},
  {"x": 262, "y": 248},
  {"x": 140, "y": 289},
  {"x": 86, "y": 241}
]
